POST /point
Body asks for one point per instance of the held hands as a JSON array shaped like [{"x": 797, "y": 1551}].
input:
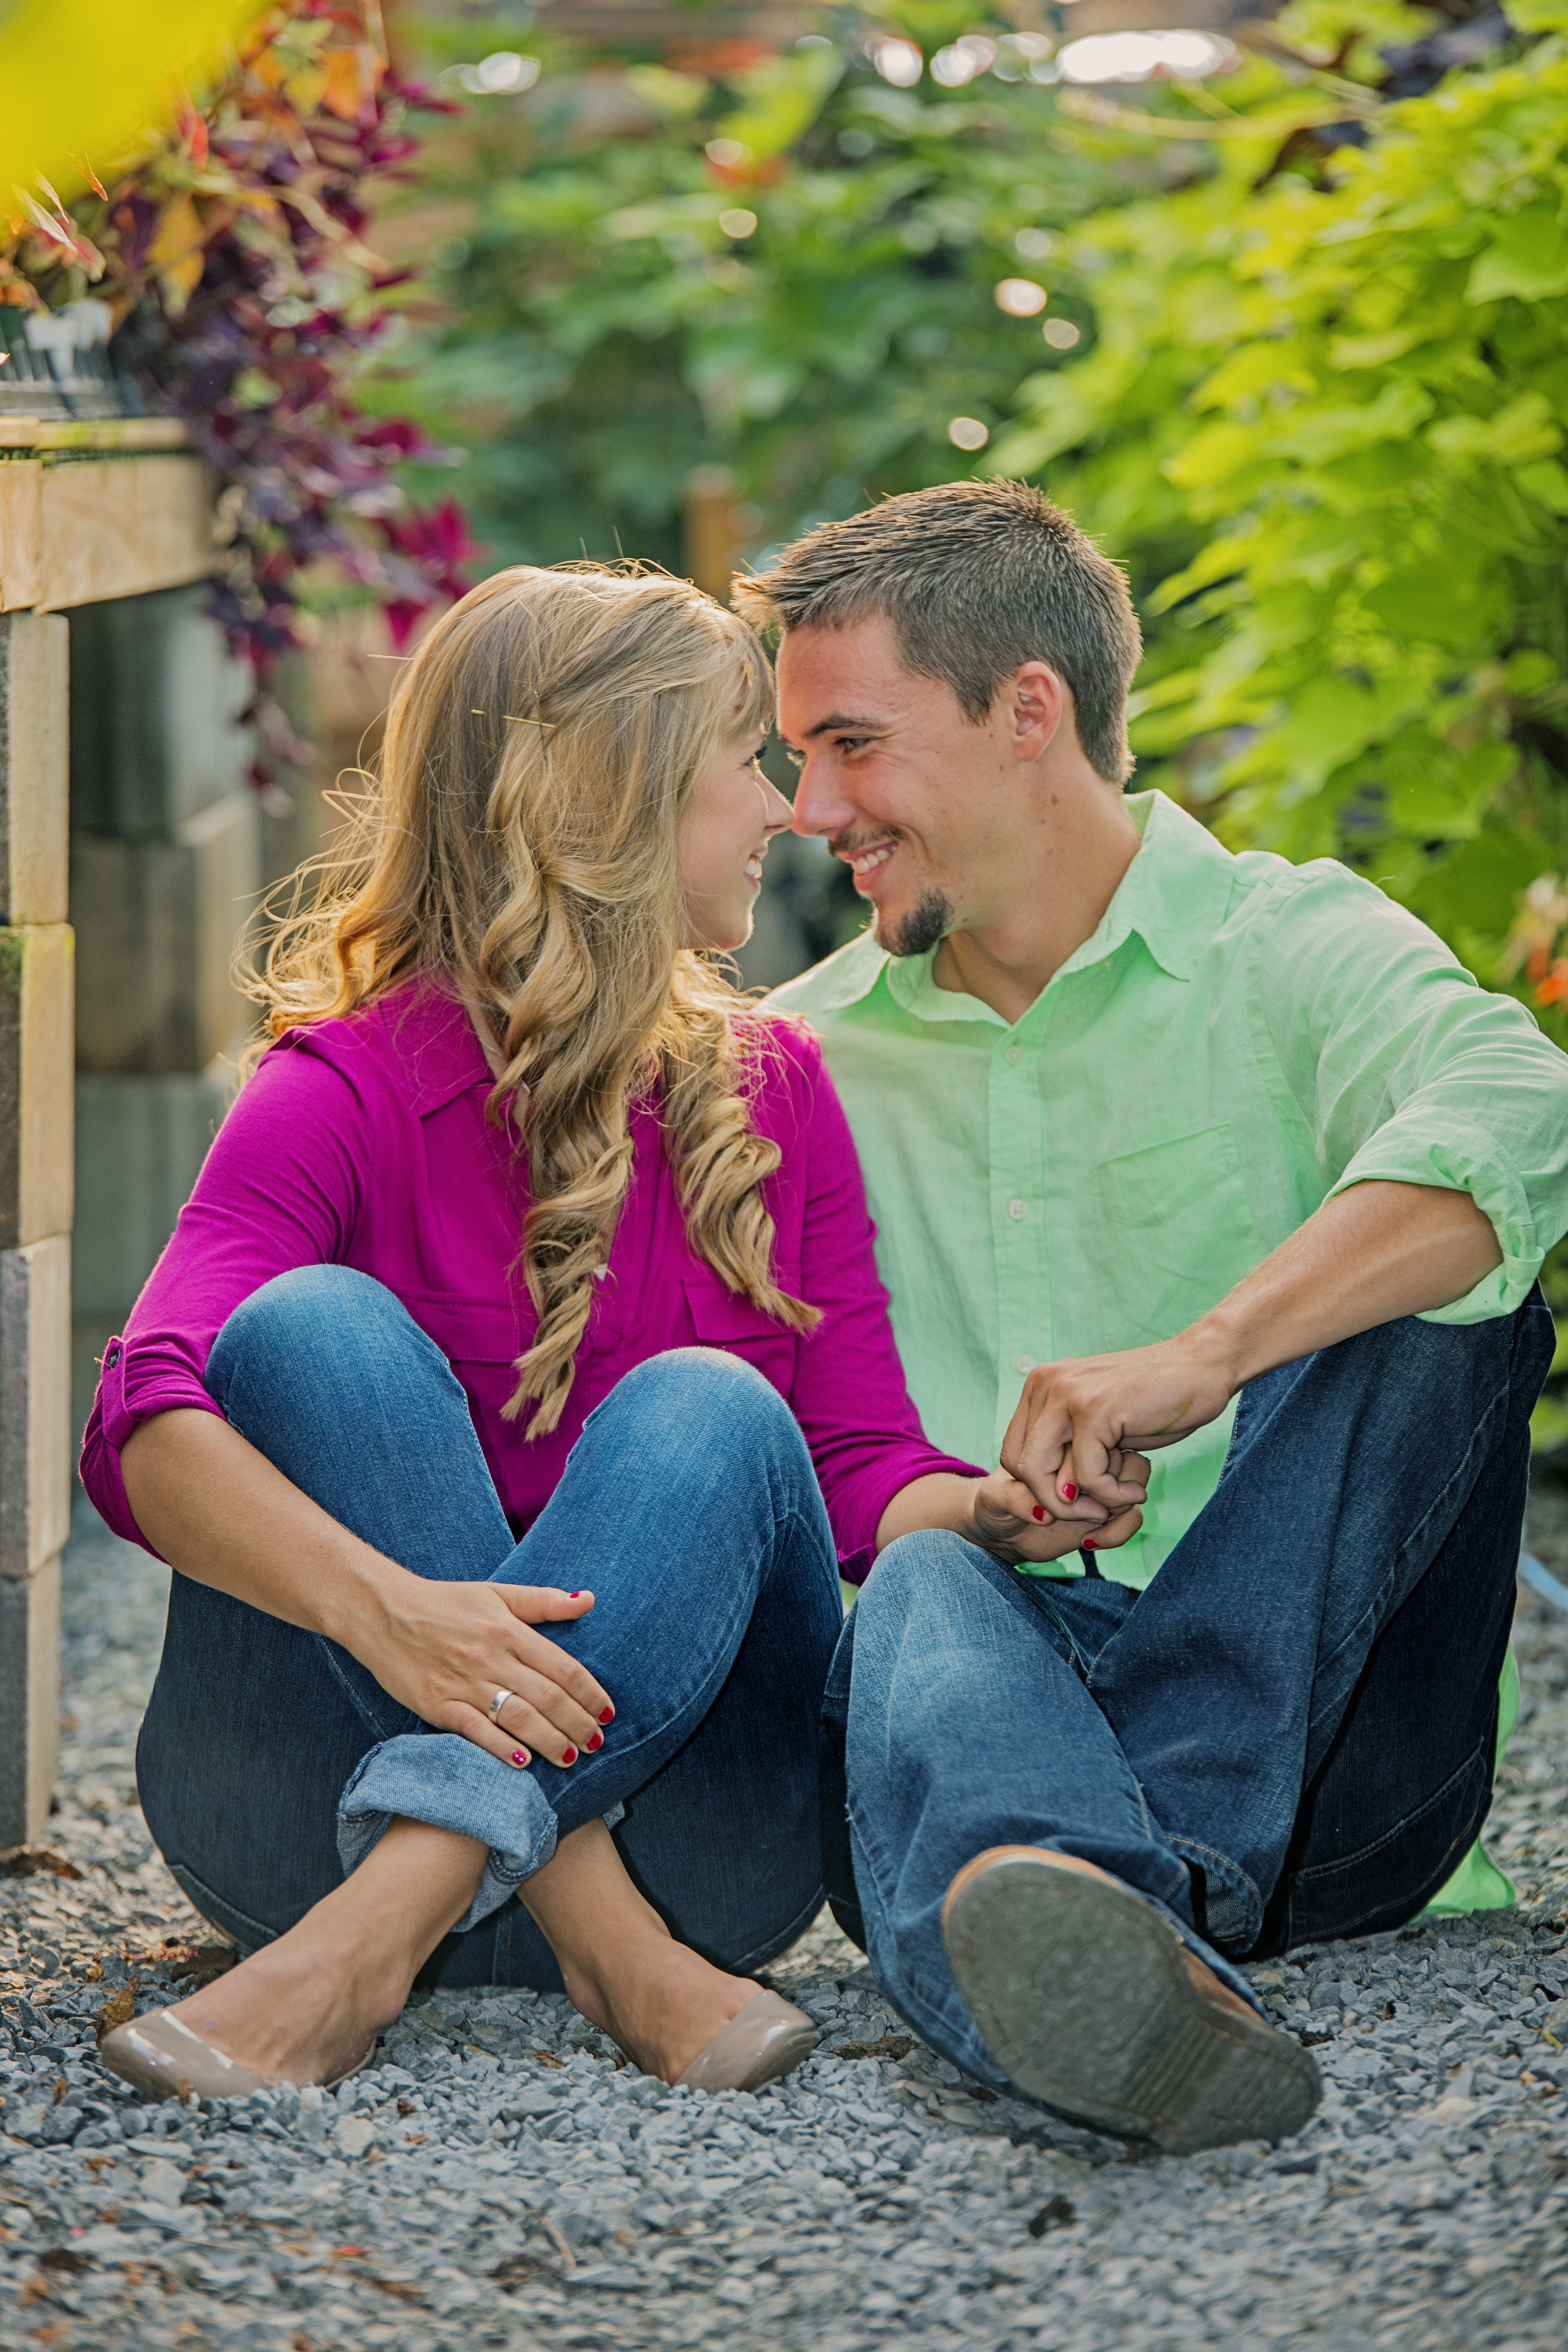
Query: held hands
[
  {"x": 1007, "y": 1519},
  {"x": 445, "y": 1650},
  {"x": 1075, "y": 1446}
]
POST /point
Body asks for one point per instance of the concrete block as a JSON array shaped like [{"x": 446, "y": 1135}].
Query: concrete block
[
  {"x": 122, "y": 526},
  {"x": 35, "y": 1405},
  {"x": 21, "y": 533},
  {"x": 35, "y": 767},
  {"x": 29, "y": 1701},
  {"x": 154, "y": 715},
  {"x": 140, "y": 1144},
  {"x": 36, "y": 990},
  {"x": 157, "y": 923}
]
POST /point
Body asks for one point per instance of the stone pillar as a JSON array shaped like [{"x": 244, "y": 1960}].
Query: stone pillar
[
  {"x": 166, "y": 865},
  {"x": 35, "y": 1188}
]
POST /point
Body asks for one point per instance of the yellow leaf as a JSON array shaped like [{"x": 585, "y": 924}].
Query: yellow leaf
[
  {"x": 352, "y": 76},
  {"x": 179, "y": 231}
]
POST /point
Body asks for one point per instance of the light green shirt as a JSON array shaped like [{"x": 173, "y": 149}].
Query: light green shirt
[{"x": 1239, "y": 1040}]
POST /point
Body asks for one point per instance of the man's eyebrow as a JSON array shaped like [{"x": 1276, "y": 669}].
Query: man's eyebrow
[{"x": 846, "y": 722}]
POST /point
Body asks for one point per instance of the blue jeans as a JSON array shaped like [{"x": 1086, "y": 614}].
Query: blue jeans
[
  {"x": 1289, "y": 1735},
  {"x": 270, "y": 1760}
]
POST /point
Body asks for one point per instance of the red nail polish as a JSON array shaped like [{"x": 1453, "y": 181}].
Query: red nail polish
[
  {"x": 1089, "y": 1544},
  {"x": 568, "y": 1756},
  {"x": 1040, "y": 1511},
  {"x": 596, "y": 1742},
  {"x": 520, "y": 1756},
  {"x": 1069, "y": 1493},
  {"x": 608, "y": 1715},
  {"x": 574, "y": 1596}
]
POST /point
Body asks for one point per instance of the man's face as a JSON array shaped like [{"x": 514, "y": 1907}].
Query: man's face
[{"x": 925, "y": 809}]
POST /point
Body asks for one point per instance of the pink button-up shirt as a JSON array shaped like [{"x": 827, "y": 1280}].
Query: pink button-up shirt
[{"x": 364, "y": 1142}]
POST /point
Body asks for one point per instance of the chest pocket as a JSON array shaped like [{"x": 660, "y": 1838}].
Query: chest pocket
[
  {"x": 1173, "y": 1231},
  {"x": 720, "y": 1319}
]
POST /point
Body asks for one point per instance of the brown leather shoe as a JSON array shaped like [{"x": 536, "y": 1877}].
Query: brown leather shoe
[{"x": 1081, "y": 1991}]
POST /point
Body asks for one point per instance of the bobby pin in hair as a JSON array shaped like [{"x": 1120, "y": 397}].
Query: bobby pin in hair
[{"x": 547, "y": 725}]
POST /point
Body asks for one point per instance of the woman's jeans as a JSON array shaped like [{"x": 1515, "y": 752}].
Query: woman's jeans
[
  {"x": 1290, "y": 1735},
  {"x": 270, "y": 1760}
]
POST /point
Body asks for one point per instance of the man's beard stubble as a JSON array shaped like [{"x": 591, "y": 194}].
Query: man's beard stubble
[{"x": 916, "y": 932}]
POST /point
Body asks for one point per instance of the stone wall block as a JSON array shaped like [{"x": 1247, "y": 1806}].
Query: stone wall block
[
  {"x": 139, "y": 1145},
  {"x": 155, "y": 699},
  {"x": 35, "y": 1404},
  {"x": 21, "y": 533},
  {"x": 36, "y": 993},
  {"x": 121, "y": 525},
  {"x": 167, "y": 912},
  {"x": 35, "y": 766},
  {"x": 29, "y": 1701}
]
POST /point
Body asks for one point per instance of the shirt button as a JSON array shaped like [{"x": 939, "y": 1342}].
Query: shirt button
[
  {"x": 112, "y": 1358},
  {"x": 1012, "y": 1056},
  {"x": 1023, "y": 1363},
  {"x": 1017, "y": 1210}
]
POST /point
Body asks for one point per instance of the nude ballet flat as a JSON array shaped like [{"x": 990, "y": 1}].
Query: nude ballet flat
[
  {"x": 160, "y": 2055},
  {"x": 761, "y": 2041}
]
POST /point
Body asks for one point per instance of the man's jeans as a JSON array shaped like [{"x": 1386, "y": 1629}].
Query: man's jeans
[
  {"x": 270, "y": 1760},
  {"x": 1289, "y": 1735}
]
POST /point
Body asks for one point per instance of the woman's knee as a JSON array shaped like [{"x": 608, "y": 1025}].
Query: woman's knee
[
  {"x": 691, "y": 1393},
  {"x": 320, "y": 1315}
]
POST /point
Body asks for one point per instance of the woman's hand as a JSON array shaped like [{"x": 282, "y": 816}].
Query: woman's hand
[
  {"x": 445, "y": 1650},
  {"x": 1008, "y": 1521}
]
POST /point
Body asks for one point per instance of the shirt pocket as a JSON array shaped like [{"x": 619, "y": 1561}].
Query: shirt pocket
[
  {"x": 479, "y": 1338},
  {"x": 720, "y": 1319},
  {"x": 1173, "y": 1231}
]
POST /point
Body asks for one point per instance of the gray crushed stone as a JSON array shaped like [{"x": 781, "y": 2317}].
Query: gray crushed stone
[{"x": 498, "y": 2178}]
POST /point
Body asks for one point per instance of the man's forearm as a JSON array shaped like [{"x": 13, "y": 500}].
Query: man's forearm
[{"x": 1370, "y": 1256}]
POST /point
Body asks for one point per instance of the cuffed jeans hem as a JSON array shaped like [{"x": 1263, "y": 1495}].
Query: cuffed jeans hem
[
  {"x": 1232, "y": 1907},
  {"x": 439, "y": 1778}
]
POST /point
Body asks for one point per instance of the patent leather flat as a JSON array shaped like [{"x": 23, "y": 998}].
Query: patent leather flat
[
  {"x": 764, "y": 2040},
  {"x": 160, "y": 2055}
]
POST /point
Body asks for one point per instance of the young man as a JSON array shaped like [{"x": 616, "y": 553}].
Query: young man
[{"x": 1175, "y": 1153}]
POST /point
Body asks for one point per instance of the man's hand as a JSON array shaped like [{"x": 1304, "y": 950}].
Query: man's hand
[{"x": 1075, "y": 1443}]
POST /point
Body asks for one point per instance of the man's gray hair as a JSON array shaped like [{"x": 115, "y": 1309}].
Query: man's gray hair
[{"x": 974, "y": 579}]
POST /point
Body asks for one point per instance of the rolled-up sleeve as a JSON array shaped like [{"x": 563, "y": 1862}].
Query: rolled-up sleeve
[
  {"x": 1411, "y": 1073},
  {"x": 849, "y": 1394},
  {"x": 278, "y": 1189}
]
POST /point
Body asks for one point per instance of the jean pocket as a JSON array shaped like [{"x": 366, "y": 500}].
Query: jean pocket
[{"x": 1387, "y": 1881}]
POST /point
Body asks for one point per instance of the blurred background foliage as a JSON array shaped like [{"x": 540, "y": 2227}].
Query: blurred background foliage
[{"x": 1286, "y": 338}]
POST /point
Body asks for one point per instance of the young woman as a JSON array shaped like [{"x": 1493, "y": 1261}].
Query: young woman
[{"x": 528, "y": 1285}]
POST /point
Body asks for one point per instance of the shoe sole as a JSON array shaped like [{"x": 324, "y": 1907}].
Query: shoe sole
[{"x": 1081, "y": 1992}]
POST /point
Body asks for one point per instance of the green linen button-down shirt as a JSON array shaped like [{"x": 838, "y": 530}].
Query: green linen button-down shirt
[{"x": 1239, "y": 1040}]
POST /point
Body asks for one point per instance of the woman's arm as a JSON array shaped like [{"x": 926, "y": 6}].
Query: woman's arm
[{"x": 218, "y": 1511}]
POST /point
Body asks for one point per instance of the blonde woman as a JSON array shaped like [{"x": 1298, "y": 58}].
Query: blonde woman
[{"x": 476, "y": 1400}]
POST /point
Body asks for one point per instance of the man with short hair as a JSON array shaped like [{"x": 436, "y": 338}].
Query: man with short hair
[{"x": 1210, "y": 1159}]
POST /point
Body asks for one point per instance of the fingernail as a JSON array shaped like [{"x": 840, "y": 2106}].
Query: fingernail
[
  {"x": 574, "y": 1596},
  {"x": 568, "y": 1756},
  {"x": 1040, "y": 1511},
  {"x": 608, "y": 1715},
  {"x": 596, "y": 1742},
  {"x": 520, "y": 1756},
  {"x": 1089, "y": 1544},
  {"x": 1069, "y": 1492}
]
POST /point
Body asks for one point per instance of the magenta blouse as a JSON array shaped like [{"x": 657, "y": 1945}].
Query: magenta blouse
[{"x": 364, "y": 1142}]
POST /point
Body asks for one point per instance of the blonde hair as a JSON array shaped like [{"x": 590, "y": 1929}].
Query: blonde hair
[{"x": 520, "y": 842}]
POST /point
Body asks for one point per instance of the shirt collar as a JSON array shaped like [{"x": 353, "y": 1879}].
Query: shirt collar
[
  {"x": 1173, "y": 895},
  {"x": 430, "y": 1033}
]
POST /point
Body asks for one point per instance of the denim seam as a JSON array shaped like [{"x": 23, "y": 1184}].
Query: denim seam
[
  {"x": 264, "y": 1934},
  {"x": 1322, "y": 1870},
  {"x": 1212, "y": 1862},
  {"x": 1374, "y": 1607}
]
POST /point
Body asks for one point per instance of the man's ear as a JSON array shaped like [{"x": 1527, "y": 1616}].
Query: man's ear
[{"x": 1037, "y": 702}]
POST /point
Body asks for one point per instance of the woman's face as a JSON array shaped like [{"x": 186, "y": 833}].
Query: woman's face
[{"x": 723, "y": 838}]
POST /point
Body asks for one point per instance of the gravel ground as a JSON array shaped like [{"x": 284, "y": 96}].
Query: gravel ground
[{"x": 498, "y": 2176}]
